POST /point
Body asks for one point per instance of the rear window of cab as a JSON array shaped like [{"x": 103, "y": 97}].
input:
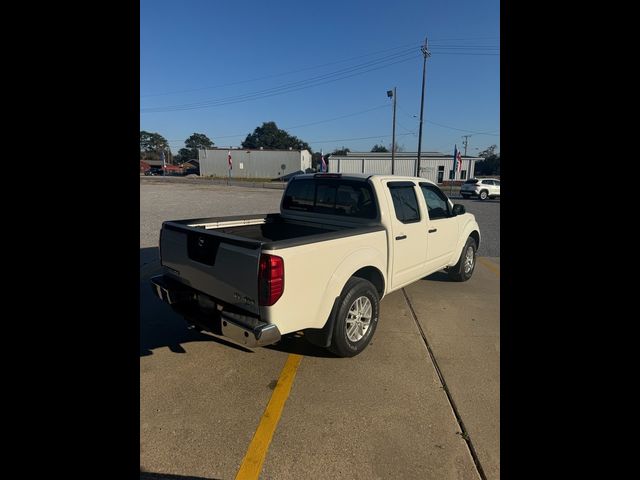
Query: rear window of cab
[{"x": 331, "y": 196}]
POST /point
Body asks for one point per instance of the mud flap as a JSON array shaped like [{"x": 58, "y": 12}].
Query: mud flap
[{"x": 321, "y": 337}]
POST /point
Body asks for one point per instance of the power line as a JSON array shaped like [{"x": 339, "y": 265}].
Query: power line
[
  {"x": 354, "y": 139},
  {"x": 303, "y": 125},
  {"x": 359, "y": 138},
  {"x": 469, "y": 47},
  {"x": 337, "y": 118},
  {"x": 341, "y": 74},
  {"x": 447, "y": 126},
  {"x": 271, "y": 91},
  {"x": 436, "y": 44},
  {"x": 315, "y": 123},
  {"x": 405, "y": 128},
  {"x": 292, "y": 86},
  {"x": 363, "y": 138},
  {"x": 278, "y": 74},
  {"x": 462, "y": 129},
  {"x": 472, "y": 54},
  {"x": 438, "y": 39}
]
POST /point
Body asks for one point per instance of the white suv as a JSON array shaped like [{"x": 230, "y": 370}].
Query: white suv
[{"x": 483, "y": 188}]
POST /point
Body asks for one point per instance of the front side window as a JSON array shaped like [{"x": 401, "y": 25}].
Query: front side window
[
  {"x": 405, "y": 204},
  {"x": 437, "y": 204}
]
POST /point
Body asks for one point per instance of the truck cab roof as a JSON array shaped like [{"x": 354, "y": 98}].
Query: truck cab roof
[{"x": 362, "y": 177}]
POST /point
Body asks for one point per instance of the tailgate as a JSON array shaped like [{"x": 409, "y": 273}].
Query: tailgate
[{"x": 218, "y": 264}]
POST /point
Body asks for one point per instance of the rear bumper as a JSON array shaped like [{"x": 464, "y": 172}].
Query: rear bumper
[
  {"x": 468, "y": 192},
  {"x": 243, "y": 329}
]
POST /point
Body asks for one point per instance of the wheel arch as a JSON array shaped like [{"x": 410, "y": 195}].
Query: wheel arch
[
  {"x": 322, "y": 336},
  {"x": 470, "y": 229},
  {"x": 476, "y": 236},
  {"x": 373, "y": 275}
]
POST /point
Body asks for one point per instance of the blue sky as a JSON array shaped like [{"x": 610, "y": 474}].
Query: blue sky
[{"x": 224, "y": 68}]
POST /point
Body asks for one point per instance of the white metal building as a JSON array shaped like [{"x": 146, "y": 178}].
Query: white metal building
[
  {"x": 249, "y": 163},
  {"x": 434, "y": 166}
]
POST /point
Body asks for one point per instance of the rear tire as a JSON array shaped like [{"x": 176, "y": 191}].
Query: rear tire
[
  {"x": 483, "y": 195},
  {"x": 462, "y": 271},
  {"x": 357, "y": 318}
]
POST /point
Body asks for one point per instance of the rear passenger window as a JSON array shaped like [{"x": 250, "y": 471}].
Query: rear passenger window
[{"x": 405, "y": 204}]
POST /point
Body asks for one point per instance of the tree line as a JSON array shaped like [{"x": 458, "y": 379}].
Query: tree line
[
  {"x": 267, "y": 136},
  {"x": 491, "y": 163},
  {"x": 270, "y": 137}
]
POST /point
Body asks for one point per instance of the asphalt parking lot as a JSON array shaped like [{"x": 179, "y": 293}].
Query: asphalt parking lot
[{"x": 422, "y": 401}]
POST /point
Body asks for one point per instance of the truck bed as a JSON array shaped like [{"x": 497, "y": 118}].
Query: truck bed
[
  {"x": 268, "y": 231},
  {"x": 275, "y": 231}
]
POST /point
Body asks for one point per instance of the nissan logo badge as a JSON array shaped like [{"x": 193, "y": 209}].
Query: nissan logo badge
[{"x": 201, "y": 241}]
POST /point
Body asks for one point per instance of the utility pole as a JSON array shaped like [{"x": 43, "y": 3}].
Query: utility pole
[
  {"x": 425, "y": 52},
  {"x": 465, "y": 142},
  {"x": 392, "y": 93}
]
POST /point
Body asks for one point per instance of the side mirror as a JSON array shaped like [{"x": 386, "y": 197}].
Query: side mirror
[{"x": 458, "y": 209}]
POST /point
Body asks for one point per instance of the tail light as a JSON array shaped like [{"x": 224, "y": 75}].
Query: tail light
[{"x": 270, "y": 279}]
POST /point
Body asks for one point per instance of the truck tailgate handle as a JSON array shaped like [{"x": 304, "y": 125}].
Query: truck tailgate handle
[
  {"x": 433, "y": 230},
  {"x": 401, "y": 237}
]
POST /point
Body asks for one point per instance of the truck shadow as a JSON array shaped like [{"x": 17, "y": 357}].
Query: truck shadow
[
  {"x": 159, "y": 325},
  {"x": 438, "y": 277},
  {"x": 295, "y": 343}
]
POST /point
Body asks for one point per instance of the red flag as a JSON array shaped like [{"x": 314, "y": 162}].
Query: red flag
[
  {"x": 459, "y": 159},
  {"x": 230, "y": 162}
]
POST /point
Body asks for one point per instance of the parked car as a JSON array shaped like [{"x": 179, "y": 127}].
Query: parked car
[
  {"x": 482, "y": 188},
  {"x": 339, "y": 244},
  {"x": 154, "y": 171}
]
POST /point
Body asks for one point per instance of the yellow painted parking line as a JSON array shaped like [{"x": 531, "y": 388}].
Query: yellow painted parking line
[
  {"x": 490, "y": 265},
  {"x": 256, "y": 453}
]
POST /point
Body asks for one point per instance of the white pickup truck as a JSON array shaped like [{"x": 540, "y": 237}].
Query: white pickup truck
[{"x": 340, "y": 243}]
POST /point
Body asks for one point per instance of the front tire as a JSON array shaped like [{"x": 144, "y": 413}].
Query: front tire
[
  {"x": 357, "y": 318},
  {"x": 462, "y": 271}
]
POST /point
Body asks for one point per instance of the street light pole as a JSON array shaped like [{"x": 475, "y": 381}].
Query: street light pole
[
  {"x": 425, "y": 52},
  {"x": 392, "y": 93}
]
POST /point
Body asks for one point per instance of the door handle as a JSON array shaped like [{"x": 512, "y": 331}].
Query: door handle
[
  {"x": 401, "y": 237},
  {"x": 433, "y": 230}
]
